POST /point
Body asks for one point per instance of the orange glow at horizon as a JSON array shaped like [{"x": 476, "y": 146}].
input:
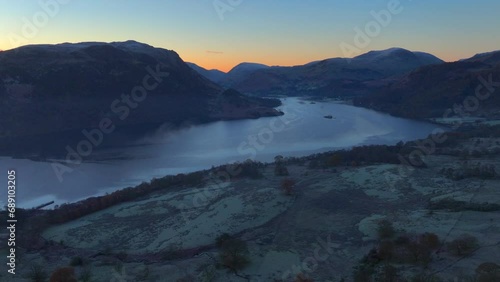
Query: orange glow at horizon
[
  {"x": 222, "y": 63},
  {"x": 225, "y": 61}
]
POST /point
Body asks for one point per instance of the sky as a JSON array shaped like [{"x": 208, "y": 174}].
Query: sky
[{"x": 219, "y": 34}]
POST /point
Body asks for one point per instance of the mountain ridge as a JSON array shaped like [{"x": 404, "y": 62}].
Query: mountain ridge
[
  {"x": 329, "y": 77},
  {"x": 432, "y": 91},
  {"x": 64, "y": 87}
]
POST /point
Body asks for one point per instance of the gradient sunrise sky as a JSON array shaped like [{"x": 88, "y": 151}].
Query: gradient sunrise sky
[{"x": 287, "y": 32}]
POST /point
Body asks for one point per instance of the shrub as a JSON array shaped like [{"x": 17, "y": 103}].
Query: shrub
[
  {"x": 233, "y": 252},
  {"x": 221, "y": 239},
  {"x": 463, "y": 246},
  {"x": 86, "y": 275},
  {"x": 471, "y": 170},
  {"x": 372, "y": 258},
  {"x": 406, "y": 249},
  {"x": 386, "y": 250},
  {"x": 63, "y": 274},
  {"x": 388, "y": 273},
  {"x": 302, "y": 278},
  {"x": 488, "y": 277},
  {"x": 363, "y": 273},
  {"x": 430, "y": 240},
  {"x": 420, "y": 252},
  {"x": 487, "y": 272},
  {"x": 250, "y": 169},
  {"x": 234, "y": 260},
  {"x": 402, "y": 240},
  {"x": 76, "y": 261},
  {"x": 287, "y": 186},
  {"x": 385, "y": 230},
  {"x": 487, "y": 267},
  {"x": 280, "y": 168},
  {"x": 38, "y": 274}
]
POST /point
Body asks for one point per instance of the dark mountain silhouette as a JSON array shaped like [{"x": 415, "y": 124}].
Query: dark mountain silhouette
[
  {"x": 240, "y": 72},
  {"x": 214, "y": 75},
  {"x": 330, "y": 77},
  {"x": 47, "y": 89},
  {"x": 430, "y": 91}
]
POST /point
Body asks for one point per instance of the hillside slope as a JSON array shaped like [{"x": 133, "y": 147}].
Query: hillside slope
[
  {"x": 431, "y": 91},
  {"x": 331, "y": 77},
  {"x": 54, "y": 88}
]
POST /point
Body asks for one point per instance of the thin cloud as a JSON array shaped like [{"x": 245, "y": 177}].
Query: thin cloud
[{"x": 214, "y": 52}]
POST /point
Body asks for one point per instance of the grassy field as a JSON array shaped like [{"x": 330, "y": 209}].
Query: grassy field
[{"x": 323, "y": 229}]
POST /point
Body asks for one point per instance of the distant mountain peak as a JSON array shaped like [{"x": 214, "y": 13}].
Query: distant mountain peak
[
  {"x": 396, "y": 55},
  {"x": 214, "y": 75},
  {"x": 131, "y": 44},
  {"x": 248, "y": 66},
  {"x": 77, "y": 84},
  {"x": 492, "y": 57},
  {"x": 390, "y": 50},
  {"x": 336, "y": 75},
  {"x": 384, "y": 53}
]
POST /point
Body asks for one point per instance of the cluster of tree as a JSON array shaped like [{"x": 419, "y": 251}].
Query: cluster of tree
[
  {"x": 464, "y": 245},
  {"x": 470, "y": 170},
  {"x": 401, "y": 248},
  {"x": 359, "y": 156},
  {"x": 465, "y": 154},
  {"x": 488, "y": 271},
  {"x": 483, "y": 131},
  {"x": 280, "y": 169},
  {"x": 453, "y": 138},
  {"x": 38, "y": 274},
  {"x": 448, "y": 141},
  {"x": 415, "y": 249},
  {"x": 233, "y": 252},
  {"x": 247, "y": 169},
  {"x": 68, "y": 212}
]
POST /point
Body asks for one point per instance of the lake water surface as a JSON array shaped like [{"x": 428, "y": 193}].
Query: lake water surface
[{"x": 303, "y": 130}]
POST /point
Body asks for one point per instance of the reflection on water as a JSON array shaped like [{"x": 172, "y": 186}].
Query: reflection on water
[{"x": 301, "y": 131}]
